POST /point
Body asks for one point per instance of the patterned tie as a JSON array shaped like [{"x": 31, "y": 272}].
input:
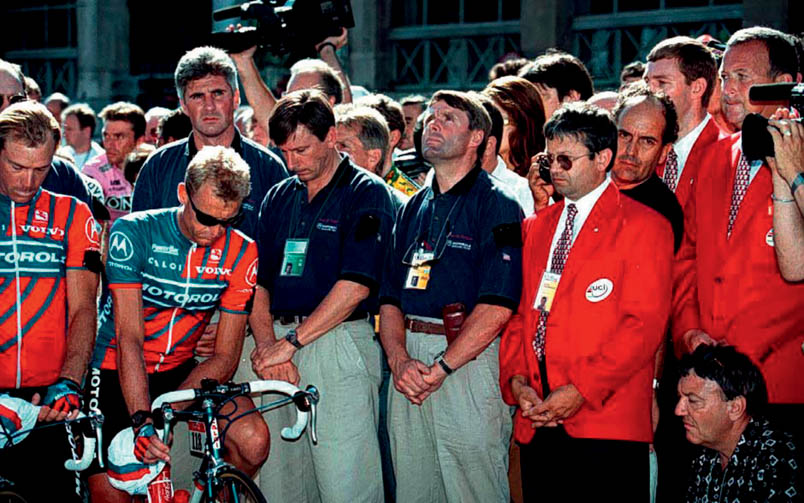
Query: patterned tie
[
  {"x": 556, "y": 266},
  {"x": 738, "y": 193},
  {"x": 671, "y": 170}
]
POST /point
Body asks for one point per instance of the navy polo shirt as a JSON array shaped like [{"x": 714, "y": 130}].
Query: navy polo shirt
[
  {"x": 63, "y": 178},
  {"x": 164, "y": 170},
  {"x": 347, "y": 239},
  {"x": 474, "y": 232}
]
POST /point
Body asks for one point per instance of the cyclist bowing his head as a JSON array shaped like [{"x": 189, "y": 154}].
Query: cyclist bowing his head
[{"x": 168, "y": 271}]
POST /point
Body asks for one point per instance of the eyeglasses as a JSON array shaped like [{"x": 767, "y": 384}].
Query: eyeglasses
[
  {"x": 210, "y": 221},
  {"x": 546, "y": 160},
  {"x": 12, "y": 99}
]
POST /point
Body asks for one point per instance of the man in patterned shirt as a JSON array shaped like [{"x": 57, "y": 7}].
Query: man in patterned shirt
[{"x": 742, "y": 457}]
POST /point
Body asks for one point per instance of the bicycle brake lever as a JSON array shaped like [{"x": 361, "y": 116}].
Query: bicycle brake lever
[
  {"x": 314, "y": 397},
  {"x": 99, "y": 433}
]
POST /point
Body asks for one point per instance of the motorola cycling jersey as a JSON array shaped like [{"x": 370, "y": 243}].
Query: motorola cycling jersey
[
  {"x": 39, "y": 241},
  {"x": 182, "y": 284}
]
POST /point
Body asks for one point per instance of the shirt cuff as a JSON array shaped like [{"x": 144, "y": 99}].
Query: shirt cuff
[{"x": 498, "y": 300}]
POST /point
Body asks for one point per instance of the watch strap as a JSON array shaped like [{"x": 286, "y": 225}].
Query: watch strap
[
  {"x": 443, "y": 364},
  {"x": 292, "y": 338},
  {"x": 797, "y": 182}
]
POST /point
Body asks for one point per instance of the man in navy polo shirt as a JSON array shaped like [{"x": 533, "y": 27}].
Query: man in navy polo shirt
[
  {"x": 206, "y": 81},
  {"x": 457, "y": 253},
  {"x": 321, "y": 238}
]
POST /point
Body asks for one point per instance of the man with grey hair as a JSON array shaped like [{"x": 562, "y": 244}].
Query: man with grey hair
[
  {"x": 363, "y": 135},
  {"x": 206, "y": 81},
  {"x": 135, "y": 361},
  {"x": 152, "y": 118},
  {"x": 62, "y": 177}
]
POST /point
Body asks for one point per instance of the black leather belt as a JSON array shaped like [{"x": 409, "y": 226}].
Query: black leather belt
[{"x": 295, "y": 319}]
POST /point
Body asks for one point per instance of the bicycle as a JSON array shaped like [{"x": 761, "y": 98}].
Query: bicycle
[
  {"x": 90, "y": 432},
  {"x": 217, "y": 480}
]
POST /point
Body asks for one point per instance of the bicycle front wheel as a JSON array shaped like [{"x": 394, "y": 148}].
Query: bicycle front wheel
[{"x": 235, "y": 486}]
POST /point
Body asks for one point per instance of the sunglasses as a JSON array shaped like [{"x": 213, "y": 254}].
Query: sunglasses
[
  {"x": 12, "y": 99},
  {"x": 546, "y": 160},
  {"x": 210, "y": 221}
]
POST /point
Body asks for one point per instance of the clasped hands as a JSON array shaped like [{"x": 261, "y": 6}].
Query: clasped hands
[
  {"x": 415, "y": 379},
  {"x": 562, "y": 403},
  {"x": 273, "y": 361}
]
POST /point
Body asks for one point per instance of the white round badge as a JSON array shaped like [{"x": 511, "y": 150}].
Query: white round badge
[
  {"x": 599, "y": 290},
  {"x": 769, "y": 238},
  {"x": 120, "y": 247}
]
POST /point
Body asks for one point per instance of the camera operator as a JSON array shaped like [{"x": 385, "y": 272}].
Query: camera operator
[
  {"x": 303, "y": 75},
  {"x": 787, "y": 168}
]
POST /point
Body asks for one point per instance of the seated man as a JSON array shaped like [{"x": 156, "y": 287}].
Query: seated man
[
  {"x": 742, "y": 457},
  {"x": 168, "y": 271}
]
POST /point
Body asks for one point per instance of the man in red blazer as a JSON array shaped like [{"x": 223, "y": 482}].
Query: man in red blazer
[
  {"x": 685, "y": 70},
  {"x": 731, "y": 289},
  {"x": 578, "y": 357}
]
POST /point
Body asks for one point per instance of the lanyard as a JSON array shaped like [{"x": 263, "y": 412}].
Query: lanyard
[{"x": 294, "y": 215}]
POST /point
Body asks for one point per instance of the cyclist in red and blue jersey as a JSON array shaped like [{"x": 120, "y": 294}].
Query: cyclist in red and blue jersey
[
  {"x": 168, "y": 271},
  {"x": 49, "y": 264}
]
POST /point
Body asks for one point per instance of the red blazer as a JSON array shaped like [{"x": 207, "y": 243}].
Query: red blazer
[
  {"x": 684, "y": 188},
  {"x": 732, "y": 289},
  {"x": 604, "y": 345}
]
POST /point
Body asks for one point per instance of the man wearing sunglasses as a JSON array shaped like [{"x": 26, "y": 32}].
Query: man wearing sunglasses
[
  {"x": 322, "y": 239},
  {"x": 456, "y": 257},
  {"x": 62, "y": 178},
  {"x": 579, "y": 365},
  {"x": 168, "y": 271}
]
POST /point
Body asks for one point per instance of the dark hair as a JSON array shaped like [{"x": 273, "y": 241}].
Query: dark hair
[
  {"x": 479, "y": 120},
  {"x": 638, "y": 90},
  {"x": 388, "y": 108},
  {"x": 694, "y": 61},
  {"x": 175, "y": 125},
  {"x": 507, "y": 67},
  {"x": 521, "y": 102},
  {"x": 134, "y": 162},
  {"x": 496, "y": 117},
  {"x": 309, "y": 108},
  {"x": 561, "y": 71},
  {"x": 634, "y": 69},
  {"x": 331, "y": 85},
  {"x": 129, "y": 112},
  {"x": 781, "y": 50},
  {"x": 83, "y": 114},
  {"x": 591, "y": 125},
  {"x": 202, "y": 62},
  {"x": 733, "y": 371}
]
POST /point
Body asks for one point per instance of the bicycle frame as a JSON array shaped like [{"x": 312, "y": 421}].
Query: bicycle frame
[{"x": 213, "y": 396}]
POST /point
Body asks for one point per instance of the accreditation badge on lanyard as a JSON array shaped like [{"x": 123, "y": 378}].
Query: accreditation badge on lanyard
[
  {"x": 419, "y": 270},
  {"x": 294, "y": 257},
  {"x": 547, "y": 291}
]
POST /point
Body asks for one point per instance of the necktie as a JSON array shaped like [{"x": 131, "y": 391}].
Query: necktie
[
  {"x": 671, "y": 170},
  {"x": 738, "y": 192},
  {"x": 559, "y": 258}
]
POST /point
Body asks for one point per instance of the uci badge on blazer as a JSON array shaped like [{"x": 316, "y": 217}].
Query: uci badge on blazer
[
  {"x": 769, "y": 238},
  {"x": 599, "y": 290}
]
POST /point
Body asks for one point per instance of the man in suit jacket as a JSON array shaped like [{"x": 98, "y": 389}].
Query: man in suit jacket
[
  {"x": 685, "y": 70},
  {"x": 731, "y": 289},
  {"x": 579, "y": 364}
]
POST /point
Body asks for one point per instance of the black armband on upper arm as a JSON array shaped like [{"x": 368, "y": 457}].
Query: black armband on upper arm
[
  {"x": 92, "y": 261},
  {"x": 508, "y": 235},
  {"x": 367, "y": 227}
]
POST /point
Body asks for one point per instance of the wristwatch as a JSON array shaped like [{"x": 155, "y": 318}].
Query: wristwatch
[
  {"x": 443, "y": 364},
  {"x": 292, "y": 338},
  {"x": 138, "y": 418}
]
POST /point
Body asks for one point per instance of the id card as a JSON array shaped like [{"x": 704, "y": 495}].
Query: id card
[
  {"x": 546, "y": 292},
  {"x": 419, "y": 272},
  {"x": 294, "y": 258}
]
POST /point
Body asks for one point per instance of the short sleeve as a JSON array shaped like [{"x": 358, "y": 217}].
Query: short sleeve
[
  {"x": 501, "y": 251},
  {"x": 367, "y": 236},
  {"x": 127, "y": 253},
  {"x": 390, "y": 291},
  {"x": 83, "y": 237},
  {"x": 243, "y": 280}
]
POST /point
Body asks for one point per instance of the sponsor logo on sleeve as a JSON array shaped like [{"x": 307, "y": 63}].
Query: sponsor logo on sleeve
[
  {"x": 599, "y": 290},
  {"x": 120, "y": 247},
  {"x": 92, "y": 230},
  {"x": 251, "y": 274}
]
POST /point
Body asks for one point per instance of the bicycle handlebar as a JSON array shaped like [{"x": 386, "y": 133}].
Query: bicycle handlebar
[
  {"x": 90, "y": 443},
  {"x": 302, "y": 400}
]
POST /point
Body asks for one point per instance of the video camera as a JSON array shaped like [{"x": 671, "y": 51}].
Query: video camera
[
  {"x": 284, "y": 26},
  {"x": 757, "y": 141}
]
